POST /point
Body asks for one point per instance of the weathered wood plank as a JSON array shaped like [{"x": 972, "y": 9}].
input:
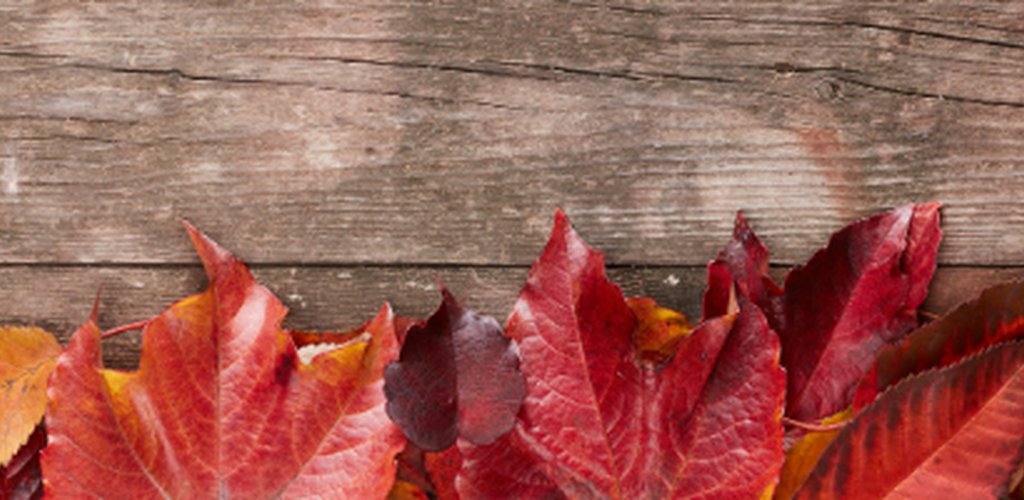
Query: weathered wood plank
[
  {"x": 432, "y": 133},
  {"x": 337, "y": 298}
]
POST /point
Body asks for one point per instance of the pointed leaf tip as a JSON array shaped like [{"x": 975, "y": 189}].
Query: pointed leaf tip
[{"x": 214, "y": 256}]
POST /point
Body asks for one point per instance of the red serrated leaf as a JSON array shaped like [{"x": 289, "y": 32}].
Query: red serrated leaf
[
  {"x": 594, "y": 424},
  {"x": 997, "y": 315},
  {"x": 951, "y": 433},
  {"x": 849, "y": 301},
  {"x": 457, "y": 376},
  {"x": 221, "y": 406},
  {"x": 22, "y": 478}
]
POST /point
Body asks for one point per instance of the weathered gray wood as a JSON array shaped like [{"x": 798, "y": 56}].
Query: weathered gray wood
[
  {"x": 332, "y": 298},
  {"x": 395, "y": 133}
]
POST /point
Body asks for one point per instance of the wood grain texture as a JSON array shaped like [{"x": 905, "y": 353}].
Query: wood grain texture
[
  {"x": 320, "y": 298},
  {"x": 332, "y": 298},
  {"x": 446, "y": 133},
  {"x": 388, "y": 141}
]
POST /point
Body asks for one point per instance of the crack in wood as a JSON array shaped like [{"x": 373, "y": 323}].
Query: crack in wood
[{"x": 931, "y": 95}]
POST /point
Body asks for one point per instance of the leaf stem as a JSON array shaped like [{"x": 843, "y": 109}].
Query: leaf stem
[
  {"x": 813, "y": 427},
  {"x": 125, "y": 328}
]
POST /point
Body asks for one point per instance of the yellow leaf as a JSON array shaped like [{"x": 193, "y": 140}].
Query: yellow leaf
[
  {"x": 803, "y": 456},
  {"x": 27, "y": 357},
  {"x": 659, "y": 331}
]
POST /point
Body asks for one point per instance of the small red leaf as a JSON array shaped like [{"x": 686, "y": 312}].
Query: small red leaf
[
  {"x": 456, "y": 375},
  {"x": 849, "y": 301},
  {"x": 595, "y": 424},
  {"x": 950, "y": 433},
  {"x": 996, "y": 316},
  {"x": 220, "y": 405}
]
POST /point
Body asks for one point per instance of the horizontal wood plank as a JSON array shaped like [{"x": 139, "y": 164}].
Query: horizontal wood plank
[
  {"x": 428, "y": 133},
  {"x": 330, "y": 298}
]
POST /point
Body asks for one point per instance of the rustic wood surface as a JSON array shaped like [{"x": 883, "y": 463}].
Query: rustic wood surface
[{"x": 351, "y": 151}]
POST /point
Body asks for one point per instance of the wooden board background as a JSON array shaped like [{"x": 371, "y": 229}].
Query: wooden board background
[{"x": 352, "y": 151}]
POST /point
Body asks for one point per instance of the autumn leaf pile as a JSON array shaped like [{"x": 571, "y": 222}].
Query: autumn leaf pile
[{"x": 828, "y": 386}]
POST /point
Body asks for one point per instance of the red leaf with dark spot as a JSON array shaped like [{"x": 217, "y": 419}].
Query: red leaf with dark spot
[
  {"x": 457, "y": 375},
  {"x": 595, "y": 424},
  {"x": 951, "y": 433}
]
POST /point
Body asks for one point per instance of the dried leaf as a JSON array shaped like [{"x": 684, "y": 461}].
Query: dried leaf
[
  {"x": 27, "y": 357},
  {"x": 221, "y": 407}
]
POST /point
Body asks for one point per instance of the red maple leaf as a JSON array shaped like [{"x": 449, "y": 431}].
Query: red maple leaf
[
  {"x": 597, "y": 424},
  {"x": 221, "y": 406}
]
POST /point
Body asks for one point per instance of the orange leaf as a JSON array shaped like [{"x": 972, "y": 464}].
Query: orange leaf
[
  {"x": 221, "y": 406},
  {"x": 27, "y": 357},
  {"x": 659, "y": 331},
  {"x": 406, "y": 491},
  {"x": 803, "y": 456}
]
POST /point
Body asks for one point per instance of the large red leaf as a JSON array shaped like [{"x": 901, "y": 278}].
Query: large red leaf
[
  {"x": 221, "y": 406},
  {"x": 951, "y": 433},
  {"x": 595, "y": 424},
  {"x": 849, "y": 301},
  {"x": 997, "y": 315},
  {"x": 456, "y": 376}
]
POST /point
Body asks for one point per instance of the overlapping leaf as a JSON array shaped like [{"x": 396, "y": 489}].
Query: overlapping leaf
[
  {"x": 22, "y": 478},
  {"x": 851, "y": 300},
  {"x": 221, "y": 406},
  {"x": 803, "y": 455},
  {"x": 845, "y": 305},
  {"x": 951, "y": 433},
  {"x": 997, "y": 315},
  {"x": 456, "y": 376},
  {"x": 595, "y": 424},
  {"x": 27, "y": 357}
]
